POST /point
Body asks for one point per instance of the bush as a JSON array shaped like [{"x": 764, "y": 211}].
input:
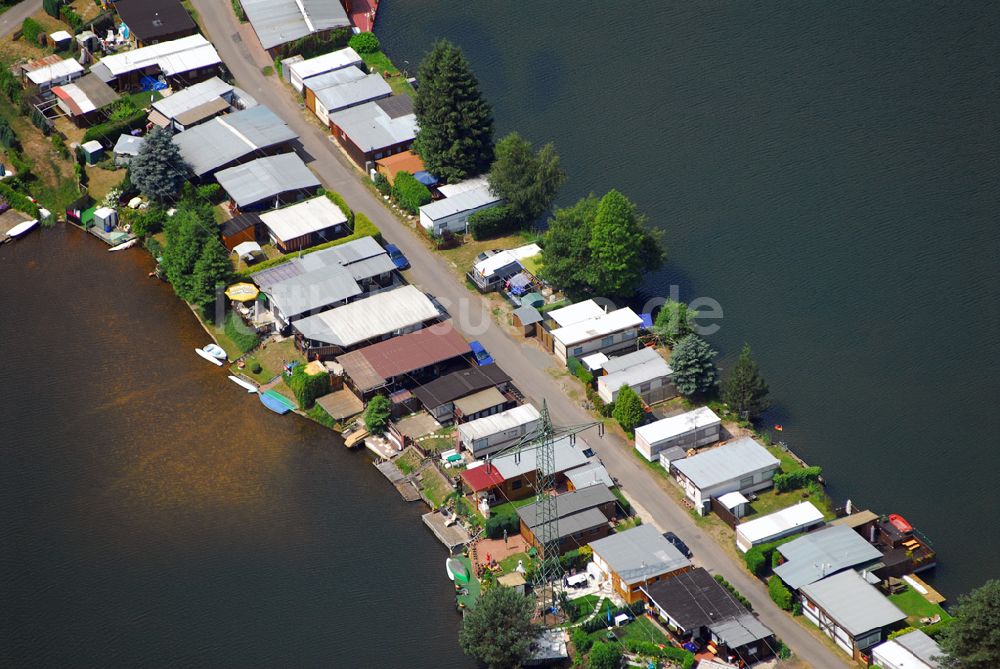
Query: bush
[
  {"x": 775, "y": 559},
  {"x": 581, "y": 640},
  {"x": 342, "y": 204},
  {"x": 112, "y": 129},
  {"x": 256, "y": 368},
  {"x": 737, "y": 595},
  {"x": 75, "y": 21},
  {"x": 780, "y": 594},
  {"x": 755, "y": 561},
  {"x": 797, "y": 479},
  {"x": 18, "y": 201},
  {"x": 600, "y": 621},
  {"x": 605, "y": 656},
  {"x": 59, "y": 144},
  {"x": 784, "y": 652},
  {"x": 38, "y": 120},
  {"x": 579, "y": 371},
  {"x": 31, "y": 29},
  {"x": 237, "y": 333},
  {"x": 51, "y": 7},
  {"x": 382, "y": 184},
  {"x": 495, "y": 525},
  {"x": 7, "y": 136},
  {"x": 576, "y": 558},
  {"x": 377, "y": 414},
  {"x": 307, "y": 387},
  {"x": 409, "y": 193},
  {"x": 238, "y": 10},
  {"x": 678, "y": 656},
  {"x": 364, "y": 43},
  {"x": 9, "y": 84},
  {"x": 492, "y": 222}
]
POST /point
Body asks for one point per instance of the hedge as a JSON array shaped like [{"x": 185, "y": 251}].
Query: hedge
[
  {"x": 579, "y": 371},
  {"x": 678, "y": 655},
  {"x": 363, "y": 227},
  {"x": 75, "y": 21},
  {"x": 600, "y": 621},
  {"x": 492, "y": 222},
  {"x": 112, "y": 129},
  {"x": 737, "y": 595},
  {"x": 306, "y": 387},
  {"x": 409, "y": 193},
  {"x": 51, "y": 7},
  {"x": 237, "y": 333},
  {"x": 780, "y": 594},
  {"x": 31, "y": 29},
  {"x": 18, "y": 201},
  {"x": 342, "y": 204},
  {"x": 495, "y": 525},
  {"x": 797, "y": 479}
]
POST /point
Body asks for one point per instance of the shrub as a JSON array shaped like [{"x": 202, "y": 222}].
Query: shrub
[
  {"x": 238, "y": 10},
  {"x": 145, "y": 222},
  {"x": 238, "y": 334},
  {"x": 307, "y": 387},
  {"x": 51, "y": 7},
  {"x": 75, "y": 21},
  {"x": 628, "y": 409},
  {"x": 409, "y": 193},
  {"x": 38, "y": 120},
  {"x": 112, "y": 129},
  {"x": 780, "y": 594},
  {"x": 382, "y": 184},
  {"x": 18, "y": 201},
  {"x": 342, "y": 204},
  {"x": 678, "y": 656},
  {"x": 495, "y": 525},
  {"x": 581, "y": 640},
  {"x": 775, "y": 559},
  {"x": 154, "y": 247},
  {"x": 784, "y": 652},
  {"x": 267, "y": 70},
  {"x": 31, "y": 29},
  {"x": 377, "y": 414},
  {"x": 737, "y": 595},
  {"x": 7, "y": 136},
  {"x": 209, "y": 192},
  {"x": 9, "y": 84},
  {"x": 364, "y": 43},
  {"x": 579, "y": 371},
  {"x": 59, "y": 144},
  {"x": 755, "y": 561},
  {"x": 605, "y": 656},
  {"x": 256, "y": 368},
  {"x": 492, "y": 222},
  {"x": 600, "y": 621},
  {"x": 797, "y": 479}
]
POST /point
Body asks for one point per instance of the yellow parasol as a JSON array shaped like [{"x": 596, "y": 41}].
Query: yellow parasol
[{"x": 242, "y": 292}]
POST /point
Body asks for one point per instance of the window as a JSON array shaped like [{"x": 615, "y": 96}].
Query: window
[
  {"x": 577, "y": 351},
  {"x": 644, "y": 388},
  {"x": 746, "y": 482},
  {"x": 516, "y": 485},
  {"x": 607, "y": 341}
]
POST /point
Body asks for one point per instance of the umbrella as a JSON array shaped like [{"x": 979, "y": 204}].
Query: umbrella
[{"x": 242, "y": 292}]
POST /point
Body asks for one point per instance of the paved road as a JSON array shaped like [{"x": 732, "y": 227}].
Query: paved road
[
  {"x": 525, "y": 363},
  {"x": 12, "y": 19}
]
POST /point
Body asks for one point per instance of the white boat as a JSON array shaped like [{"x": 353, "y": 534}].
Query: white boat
[
  {"x": 216, "y": 350},
  {"x": 125, "y": 245},
  {"x": 21, "y": 228},
  {"x": 251, "y": 388},
  {"x": 208, "y": 356}
]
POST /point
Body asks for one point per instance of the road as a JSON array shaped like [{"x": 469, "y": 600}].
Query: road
[
  {"x": 525, "y": 363},
  {"x": 12, "y": 19}
]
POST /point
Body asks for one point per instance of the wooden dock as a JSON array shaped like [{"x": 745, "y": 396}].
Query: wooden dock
[
  {"x": 452, "y": 536},
  {"x": 400, "y": 481}
]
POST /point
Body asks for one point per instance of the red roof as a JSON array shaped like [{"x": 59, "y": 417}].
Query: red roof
[
  {"x": 482, "y": 477},
  {"x": 371, "y": 366}
]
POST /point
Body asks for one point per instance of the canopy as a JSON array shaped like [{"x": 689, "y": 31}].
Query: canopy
[
  {"x": 533, "y": 300},
  {"x": 244, "y": 249},
  {"x": 426, "y": 178},
  {"x": 242, "y": 292}
]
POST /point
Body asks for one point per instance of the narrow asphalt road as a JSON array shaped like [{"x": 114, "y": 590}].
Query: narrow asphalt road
[
  {"x": 12, "y": 19},
  {"x": 524, "y": 362}
]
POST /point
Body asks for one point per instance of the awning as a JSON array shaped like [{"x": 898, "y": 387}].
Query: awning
[
  {"x": 242, "y": 292},
  {"x": 245, "y": 249}
]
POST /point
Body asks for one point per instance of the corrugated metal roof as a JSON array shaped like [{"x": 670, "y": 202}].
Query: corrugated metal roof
[
  {"x": 922, "y": 646},
  {"x": 371, "y": 128},
  {"x": 475, "y": 183},
  {"x": 674, "y": 426},
  {"x": 639, "y": 553},
  {"x": 342, "y": 96},
  {"x": 603, "y": 325},
  {"x": 334, "y": 78},
  {"x": 728, "y": 462},
  {"x": 821, "y": 553},
  {"x": 575, "y": 313},
  {"x": 61, "y": 70},
  {"x": 468, "y": 200},
  {"x": 266, "y": 178},
  {"x": 328, "y": 62},
  {"x": 646, "y": 368},
  {"x": 155, "y": 54},
  {"x": 375, "y": 316},
  {"x": 222, "y": 140},
  {"x": 279, "y": 21},
  {"x": 854, "y": 604},
  {"x": 783, "y": 522},
  {"x": 303, "y": 218},
  {"x": 309, "y": 291},
  {"x": 592, "y": 473},
  {"x": 741, "y": 630},
  {"x": 489, "y": 425},
  {"x": 567, "y": 456},
  {"x": 569, "y": 504},
  {"x": 194, "y": 96},
  {"x": 528, "y": 315},
  {"x": 86, "y": 94},
  {"x": 487, "y": 267}
]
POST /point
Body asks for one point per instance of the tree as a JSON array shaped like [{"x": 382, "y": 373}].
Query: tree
[
  {"x": 674, "y": 321},
  {"x": 212, "y": 269},
  {"x": 409, "y": 193},
  {"x": 567, "y": 246},
  {"x": 377, "y": 414},
  {"x": 187, "y": 234},
  {"x": 159, "y": 171},
  {"x": 628, "y": 409},
  {"x": 693, "y": 361},
  {"x": 972, "y": 640},
  {"x": 364, "y": 43},
  {"x": 744, "y": 389},
  {"x": 605, "y": 656},
  {"x": 528, "y": 181},
  {"x": 455, "y": 139},
  {"x": 499, "y": 631}
]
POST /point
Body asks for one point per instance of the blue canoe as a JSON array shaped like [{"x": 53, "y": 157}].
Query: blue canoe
[{"x": 276, "y": 402}]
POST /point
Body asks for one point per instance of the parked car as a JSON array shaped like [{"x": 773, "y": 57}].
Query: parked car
[
  {"x": 397, "y": 257},
  {"x": 677, "y": 543},
  {"x": 481, "y": 355}
]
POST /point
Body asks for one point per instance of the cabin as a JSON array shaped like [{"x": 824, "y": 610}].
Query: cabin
[
  {"x": 823, "y": 553},
  {"x": 183, "y": 61},
  {"x": 316, "y": 83},
  {"x": 85, "y": 99},
  {"x": 913, "y": 650},
  {"x": 850, "y": 611},
  {"x": 154, "y": 21},
  {"x": 267, "y": 183},
  {"x": 526, "y": 319},
  {"x": 606, "y": 333},
  {"x": 797, "y": 518},
  {"x": 233, "y": 139},
  {"x": 341, "y": 59},
  {"x": 407, "y": 161},
  {"x": 452, "y": 212},
  {"x": 487, "y": 435},
  {"x": 644, "y": 371},
  {"x": 490, "y": 273},
  {"x": 304, "y": 224},
  {"x": 739, "y": 466},
  {"x": 191, "y": 106},
  {"x": 45, "y": 74},
  {"x": 403, "y": 361},
  {"x": 332, "y": 99},
  {"x": 691, "y": 429},
  {"x": 584, "y": 476},
  {"x": 239, "y": 229},
  {"x": 374, "y": 130},
  {"x": 126, "y": 148},
  {"x": 697, "y": 608},
  {"x": 278, "y": 24},
  {"x": 438, "y": 397},
  {"x": 636, "y": 558},
  {"x": 582, "y": 516},
  {"x": 514, "y": 476}
]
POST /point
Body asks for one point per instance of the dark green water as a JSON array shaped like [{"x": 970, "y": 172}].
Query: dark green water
[
  {"x": 154, "y": 515},
  {"x": 829, "y": 173}
]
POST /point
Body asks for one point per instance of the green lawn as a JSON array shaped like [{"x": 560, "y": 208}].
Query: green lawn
[
  {"x": 408, "y": 461},
  {"x": 642, "y": 629},
  {"x": 270, "y": 358},
  {"x": 510, "y": 508},
  {"x": 435, "y": 486},
  {"x": 770, "y": 501},
  {"x": 509, "y": 563},
  {"x": 584, "y": 606},
  {"x": 318, "y": 414},
  {"x": 916, "y": 607},
  {"x": 380, "y": 63},
  {"x": 442, "y": 440}
]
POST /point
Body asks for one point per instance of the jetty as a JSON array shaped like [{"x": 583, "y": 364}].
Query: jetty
[{"x": 402, "y": 483}]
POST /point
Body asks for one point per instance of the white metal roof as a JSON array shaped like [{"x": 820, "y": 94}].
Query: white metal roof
[
  {"x": 728, "y": 462},
  {"x": 451, "y": 190},
  {"x": 375, "y": 316},
  {"x": 574, "y": 313},
  {"x": 731, "y": 500},
  {"x": 333, "y": 78},
  {"x": 279, "y": 21},
  {"x": 488, "y": 425},
  {"x": 191, "y": 59},
  {"x": 187, "y": 99},
  {"x": 351, "y": 93},
  {"x": 603, "y": 325},
  {"x": 797, "y": 516},
  {"x": 590, "y": 474},
  {"x": 913, "y": 650},
  {"x": 639, "y": 553},
  {"x": 488, "y": 266},
  {"x": 674, "y": 426},
  {"x": 371, "y": 128},
  {"x": 60, "y": 35},
  {"x": 645, "y": 365},
  {"x": 467, "y": 200},
  {"x": 303, "y": 218},
  {"x": 137, "y": 59},
  {"x": 328, "y": 62},
  {"x": 594, "y": 361},
  {"x": 567, "y": 456},
  {"x": 856, "y": 606},
  {"x": 47, "y": 73}
]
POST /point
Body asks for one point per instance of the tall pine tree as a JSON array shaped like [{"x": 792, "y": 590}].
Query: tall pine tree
[
  {"x": 455, "y": 139},
  {"x": 622, "y": 249},
  {"x": 744, "y": 390},
  {"x": 187, "y": 235},
  {"x": 159, "y": 170},
  {"x": 212, "y": 269},
  {"x": 693, "y": 361}
]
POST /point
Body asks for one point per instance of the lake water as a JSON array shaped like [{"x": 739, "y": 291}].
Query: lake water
[
  {"x": 828, "y": 172},
  {"x": 153, "y": 514}
]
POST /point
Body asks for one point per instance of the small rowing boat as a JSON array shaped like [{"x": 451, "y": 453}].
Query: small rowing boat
[
  {"x": 208, "y": 356},
  {"x": 21, "y": 228},
  {"x": 125, "y": 245},
  {"x": 251, "y": 388}
]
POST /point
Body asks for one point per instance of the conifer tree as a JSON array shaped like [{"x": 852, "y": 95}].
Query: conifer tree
[
  {"x": 744, "y": 390},
  {"x": 972, "y": 640},
  {"x": 674, "y": 321},
  {"x": 693, "y": 361},
  {"x": 212, "y": 268},
  {"x": 158, "y": 171},
  {"x": 628, "y": 408},
  {"x": 455, "y": 139}
]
